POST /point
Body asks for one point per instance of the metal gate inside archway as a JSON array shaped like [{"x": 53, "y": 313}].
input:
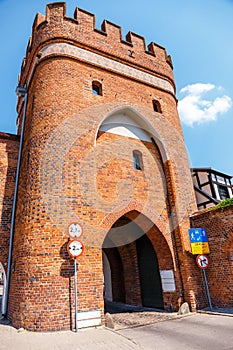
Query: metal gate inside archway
[
  {"x": 130, "y": 265},
  {"x": 150, "y": 281}
]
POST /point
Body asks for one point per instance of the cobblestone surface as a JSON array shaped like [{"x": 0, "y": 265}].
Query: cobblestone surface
[
  {"x": 127, "y": 316},
  {"x": 135, "y": 319}
]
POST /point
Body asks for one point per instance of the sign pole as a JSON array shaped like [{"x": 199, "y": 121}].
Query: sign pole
[
  {"x": 75, "y": 248},
  {"x": 75, "y": 295},
  {"x": 207, "y": 289}
]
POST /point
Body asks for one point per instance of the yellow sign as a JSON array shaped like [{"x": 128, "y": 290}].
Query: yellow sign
[{"x": 200, "y": 248}]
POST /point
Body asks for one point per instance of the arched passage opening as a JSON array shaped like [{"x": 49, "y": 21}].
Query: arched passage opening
[{"x": 134, "y": 263}]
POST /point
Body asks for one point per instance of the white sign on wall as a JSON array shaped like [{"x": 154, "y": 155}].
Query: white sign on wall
[
  {"x": 168, "y": 281},
  {"x": 89, "y": 318}
]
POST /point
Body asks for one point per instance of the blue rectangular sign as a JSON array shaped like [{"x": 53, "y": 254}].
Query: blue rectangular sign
[{"x": 197, "y": 235}]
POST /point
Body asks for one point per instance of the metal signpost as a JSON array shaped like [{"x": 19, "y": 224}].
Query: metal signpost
[
  {"x": 203, "y": 262},
  {"x": 200, "y": 245},
  {"x": 75, "y": 248}
]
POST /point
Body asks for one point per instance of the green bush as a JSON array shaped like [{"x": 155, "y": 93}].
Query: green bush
[{"x": 223, "y": 204}]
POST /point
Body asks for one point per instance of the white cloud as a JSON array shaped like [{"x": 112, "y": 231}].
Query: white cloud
[{"x": 194, "y": 108}]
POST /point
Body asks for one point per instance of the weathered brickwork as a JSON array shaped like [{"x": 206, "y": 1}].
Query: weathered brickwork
[
  {"x": 73, "y": 171},
  {"x": 9, "y": 145},
  {"x": 219, "y": 228}
]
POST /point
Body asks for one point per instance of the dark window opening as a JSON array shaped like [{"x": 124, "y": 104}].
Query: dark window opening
[
  {"x": 223, "y": 192},
  {"x": 137, "y": 160},
  {"x": 96, "y": 88},
  {"x": 156, "y": 106}
]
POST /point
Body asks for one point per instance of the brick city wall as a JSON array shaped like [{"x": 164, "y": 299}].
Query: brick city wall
[
  {"x": 9, "y": 145},
  {"x": 71, "y": 175},
  {"x": 219, "y": 228}
]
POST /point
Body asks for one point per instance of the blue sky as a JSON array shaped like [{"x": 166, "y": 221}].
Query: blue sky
[{"x": 198, "y": 36}]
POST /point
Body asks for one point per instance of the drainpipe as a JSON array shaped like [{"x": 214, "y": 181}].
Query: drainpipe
[{"x": 21, "y": 92}]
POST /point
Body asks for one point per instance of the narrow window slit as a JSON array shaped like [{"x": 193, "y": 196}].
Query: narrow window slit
[{"x": 137, "y": 160}]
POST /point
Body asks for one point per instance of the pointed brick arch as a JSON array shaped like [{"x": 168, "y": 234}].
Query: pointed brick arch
[
  {"x": 123, "y": 257},
  {"x": 127, "y": 115},
  {"x": 143, "y": 218}
]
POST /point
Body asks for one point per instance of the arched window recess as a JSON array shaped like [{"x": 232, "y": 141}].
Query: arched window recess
[
  {"x": 156, "y": 106},
  {"x": 96, "y": 88}
]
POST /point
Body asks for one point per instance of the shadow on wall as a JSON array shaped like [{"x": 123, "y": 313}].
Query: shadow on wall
[{"x": 67, "y": 271}]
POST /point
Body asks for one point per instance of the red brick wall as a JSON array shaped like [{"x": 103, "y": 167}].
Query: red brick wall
[
  {"x": 9, "y": 145},
  {"x": 67, "y": 175},
  {"x": 117, "y": 274},
  {"x": 219, "y": 228}
]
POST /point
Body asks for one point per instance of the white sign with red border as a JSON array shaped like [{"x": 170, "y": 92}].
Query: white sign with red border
[
  {"x": 202, "y": 261},
  {"x": 75, "y": 248},
  {"x": 75, "y": 230}
]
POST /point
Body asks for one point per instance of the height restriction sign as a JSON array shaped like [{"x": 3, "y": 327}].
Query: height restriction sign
[{"x": 75, "y": 230}]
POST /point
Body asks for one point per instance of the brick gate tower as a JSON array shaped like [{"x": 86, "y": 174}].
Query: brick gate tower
[{"x": 102, "y": 147}]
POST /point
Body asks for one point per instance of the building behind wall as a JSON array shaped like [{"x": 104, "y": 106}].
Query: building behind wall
[
  {"x": 103, "y": 147},
  {"x": 210, "y": 187}
]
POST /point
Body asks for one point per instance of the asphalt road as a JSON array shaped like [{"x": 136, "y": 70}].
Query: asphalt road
[{"x": 196, "y": 331}]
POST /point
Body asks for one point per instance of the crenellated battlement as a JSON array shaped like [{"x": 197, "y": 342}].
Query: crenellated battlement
[{"x": 81, "y": 32}]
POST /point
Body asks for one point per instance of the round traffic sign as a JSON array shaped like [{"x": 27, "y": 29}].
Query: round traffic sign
[
  {"x": 75, "y": 230},
  {"x": 75, "y": 248},
  {"x": 202, "y": 261}
]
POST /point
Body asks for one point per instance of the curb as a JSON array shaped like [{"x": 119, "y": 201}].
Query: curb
[{"x": 214, "y": 313}]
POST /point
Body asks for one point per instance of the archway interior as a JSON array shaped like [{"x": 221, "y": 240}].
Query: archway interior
[{"x": 130, "y": 265}]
